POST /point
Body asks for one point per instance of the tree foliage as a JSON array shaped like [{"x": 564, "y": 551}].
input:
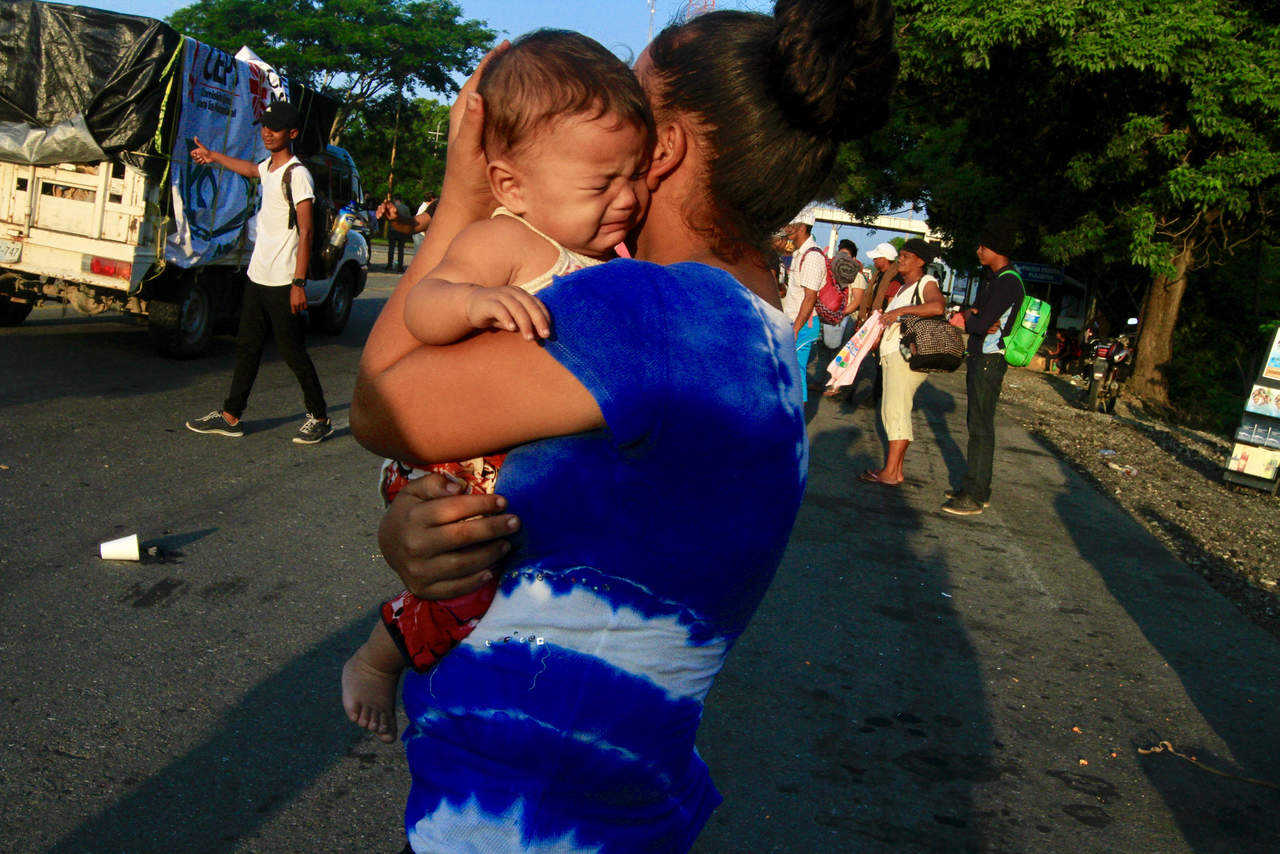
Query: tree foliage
[
  {"x": 417, "y": 131},
  {"x": 359, "y": 51},
  {"x": 1130, "y": 135}
]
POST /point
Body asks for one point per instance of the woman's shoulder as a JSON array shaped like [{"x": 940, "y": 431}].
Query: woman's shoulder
[
  {"x": 686, "y": 274},
  {"x": 681, "y": 297}
]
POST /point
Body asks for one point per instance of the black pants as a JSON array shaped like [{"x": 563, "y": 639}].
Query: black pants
[
  {"x": 266, "y": 308},
  {"x": 395, "y": 249},
  {"x": 984, "y": 376}
]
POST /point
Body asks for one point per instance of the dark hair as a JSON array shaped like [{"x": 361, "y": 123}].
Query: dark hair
[
  {"x": 552, "y": 74},
  {"x": 776, "y": 96},
  {"x": 846, "y": 243}
]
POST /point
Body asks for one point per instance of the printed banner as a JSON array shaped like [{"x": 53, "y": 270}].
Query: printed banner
[{"x": 222, "y": 98}]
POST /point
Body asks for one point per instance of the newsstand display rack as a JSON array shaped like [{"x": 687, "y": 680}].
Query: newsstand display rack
[{"x": 1255, "y": 456}]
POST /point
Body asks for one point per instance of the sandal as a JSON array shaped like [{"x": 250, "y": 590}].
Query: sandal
[{"x": 869, "y": 476}]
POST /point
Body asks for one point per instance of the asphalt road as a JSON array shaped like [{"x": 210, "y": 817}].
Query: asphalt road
[{"x": 913, "y": 682}]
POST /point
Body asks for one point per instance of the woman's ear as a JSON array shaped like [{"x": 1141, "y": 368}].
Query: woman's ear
[
  {"x": 507, "y": 187},
  {"x": 668, "y": 152}
]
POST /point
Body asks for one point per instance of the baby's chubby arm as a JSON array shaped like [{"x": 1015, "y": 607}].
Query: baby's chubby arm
[{"x": 471, "y": 288}]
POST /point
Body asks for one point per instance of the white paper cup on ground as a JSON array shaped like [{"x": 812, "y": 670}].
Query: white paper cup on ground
[{"x": 125, "y": 548}]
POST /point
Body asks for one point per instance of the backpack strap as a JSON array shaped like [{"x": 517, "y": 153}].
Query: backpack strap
[
  {"x": 826, "y": 265},
  {"x": 1021, "y": 284},
  {"x": 1016, "y": 309},
  {"x": 288, "y": 195}
]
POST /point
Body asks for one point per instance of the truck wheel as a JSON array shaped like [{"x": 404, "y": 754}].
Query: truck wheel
[
  {"x": 337, "y": 308},
  {"x": 13, "y": 313},
  {"x": 181, "y": 329}
]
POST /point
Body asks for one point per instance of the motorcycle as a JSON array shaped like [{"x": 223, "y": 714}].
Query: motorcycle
[{"x": 1112, "y": 360}]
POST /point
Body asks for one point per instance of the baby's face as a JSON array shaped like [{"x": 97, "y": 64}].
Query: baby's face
[{"x": 582, "y": 182}]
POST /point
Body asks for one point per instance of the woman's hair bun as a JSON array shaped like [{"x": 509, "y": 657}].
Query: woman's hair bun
[{"x": 835, "y": 63}]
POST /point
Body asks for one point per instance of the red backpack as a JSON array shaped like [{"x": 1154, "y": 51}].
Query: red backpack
[{"x": 832, "y": 296}]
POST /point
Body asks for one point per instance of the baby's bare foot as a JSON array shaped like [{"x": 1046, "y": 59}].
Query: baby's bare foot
[{"x": 369, "y": 696}]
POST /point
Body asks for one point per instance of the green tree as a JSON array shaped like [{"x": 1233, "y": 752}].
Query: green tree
[
  {"x": 358, "y": 51},
  {"x": 1127, "y": 135},
  {"x": 417, "y": 131}
]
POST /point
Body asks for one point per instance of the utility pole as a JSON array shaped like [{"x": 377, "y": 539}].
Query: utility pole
[{"x": 653, "y": 7}]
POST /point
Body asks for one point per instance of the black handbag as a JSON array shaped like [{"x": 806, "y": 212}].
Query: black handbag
[{"x": 930, "y": 344}]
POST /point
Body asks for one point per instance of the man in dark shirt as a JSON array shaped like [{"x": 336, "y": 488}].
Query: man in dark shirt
[{"x": 987, "y": 322}]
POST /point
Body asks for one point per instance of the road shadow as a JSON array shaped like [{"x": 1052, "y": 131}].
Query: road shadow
[
  {"x": 44, "y": 358},
  {"x": 267, "y": 750},
  {"x": 851, "y": 716},
  {"x": 1072, "y": 395},
  {"x": 1226, "y": 666}
]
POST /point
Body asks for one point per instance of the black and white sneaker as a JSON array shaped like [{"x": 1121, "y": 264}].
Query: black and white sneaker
[
  {"x": 215, "y": 423},
  {"x": 313, "y": 430}
]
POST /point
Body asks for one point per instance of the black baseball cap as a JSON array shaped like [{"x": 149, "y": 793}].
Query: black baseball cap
[
  {"x": 922, "y": 249},
  {"x": 280, "y": 115}
]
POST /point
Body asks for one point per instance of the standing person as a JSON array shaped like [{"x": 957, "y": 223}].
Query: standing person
[
  {"x": 986, "y": 323},
  {"x": 847, "y": 270},
  {"x": 886, "y": 281},
  {"x": 422, "y": 218},
  {"x": 884, "y": 258},
  {"x": 396, "y": 214},
  {"x": 921, "y": 296},
  {"x": 806, "y": 275},
  {"x": 567, "y": 719},
  {"x": 275, "y": 295}
]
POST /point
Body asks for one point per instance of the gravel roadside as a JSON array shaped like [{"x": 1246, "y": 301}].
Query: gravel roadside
[{"x": 1173, "y": 486}]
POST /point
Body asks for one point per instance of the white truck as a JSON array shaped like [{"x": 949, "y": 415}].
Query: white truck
[{"x": 100, "y": 204}]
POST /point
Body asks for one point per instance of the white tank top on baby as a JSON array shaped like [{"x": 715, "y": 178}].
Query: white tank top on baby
[{"x": 566, "y": 263}]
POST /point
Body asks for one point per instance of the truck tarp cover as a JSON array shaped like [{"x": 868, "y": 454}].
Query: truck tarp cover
[{"x": 79, "y": 84}]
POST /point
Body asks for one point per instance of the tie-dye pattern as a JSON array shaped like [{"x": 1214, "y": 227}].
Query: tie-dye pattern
[{"x": 566, "y": 721}]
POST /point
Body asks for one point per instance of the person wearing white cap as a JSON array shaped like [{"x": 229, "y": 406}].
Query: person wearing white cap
[
  {"x": 805, "y": 277},
  {"x": 885, "y": 282}
]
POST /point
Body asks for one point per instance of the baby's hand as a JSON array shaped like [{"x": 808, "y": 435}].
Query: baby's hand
[{"x": 510, "y": 308}]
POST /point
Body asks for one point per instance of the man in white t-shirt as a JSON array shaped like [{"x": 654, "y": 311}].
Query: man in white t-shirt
[
  {"x": 805, "y": 277},
  {"x": 275, "y": 295},
  {"x": 422, "y": 219}
]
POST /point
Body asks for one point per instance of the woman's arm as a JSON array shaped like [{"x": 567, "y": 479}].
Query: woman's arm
[{"x": 481, "y": 395}]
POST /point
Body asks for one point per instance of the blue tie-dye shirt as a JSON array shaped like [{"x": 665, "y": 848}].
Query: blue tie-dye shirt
[{"x": 566, "y": 721}]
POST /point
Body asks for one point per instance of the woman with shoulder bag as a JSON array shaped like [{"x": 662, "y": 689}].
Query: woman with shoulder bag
[{"x": 922, "y": 297}]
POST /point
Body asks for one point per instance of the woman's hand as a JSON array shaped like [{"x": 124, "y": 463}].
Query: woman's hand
[
  {"x": 466, "y": 176},
  {"x": 441, "y": 543}
]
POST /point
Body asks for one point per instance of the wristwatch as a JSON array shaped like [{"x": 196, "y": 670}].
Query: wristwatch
[{"x": 299, "y": 283}]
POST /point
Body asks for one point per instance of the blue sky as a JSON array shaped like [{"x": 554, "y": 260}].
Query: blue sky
[{"x": 620, "y": 25}]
